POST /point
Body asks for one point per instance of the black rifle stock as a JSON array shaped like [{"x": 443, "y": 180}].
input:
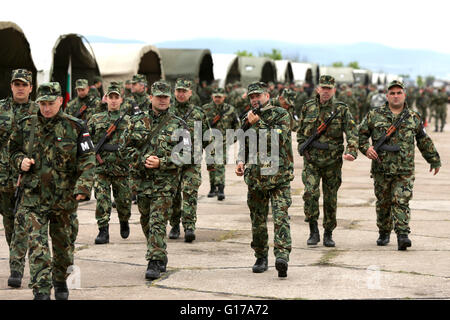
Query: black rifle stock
[{"x": 112, "y": 128}]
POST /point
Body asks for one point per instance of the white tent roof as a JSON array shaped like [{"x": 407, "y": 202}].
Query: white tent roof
[
  {"x": 341, "y": 74},
  {"x": 281, "y": 66},
  {"x": 378, "y": 76},
  {"x": 222, "y": 63},
  {"x": 300, "y": 70}
]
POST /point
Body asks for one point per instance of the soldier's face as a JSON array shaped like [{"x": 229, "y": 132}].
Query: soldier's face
[
  {"x": 183, "y": 95},
  {"x": 137, "y": 87},
  {"x": 258, "y": 97},
  {"x": 21, "y": 90},
  {"x": 82, "y": 92},
  {"x": 49, "y": 109},
  {"x": 114, "y": 101},
  {"x": 396, "y": 97},
  {"x": 325, "y": 93},
  {"x": 219, "y": 99},
  {"x": 160, "y": 103}
]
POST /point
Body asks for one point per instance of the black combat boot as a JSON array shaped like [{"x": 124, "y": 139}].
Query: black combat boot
[
  {"x": 113, "y": 204},
  {"x": 213, "y": 192},
  {"x": 220, "y": 193},
  {"x": 403, "y": 241},
  {"x": 124, "y": 229},
  {"x": 103, "y": 235},
  {"x": 41, "y": 296},
  {"x": 152, "y": 270},
  {"x": 134, "y": 199},
  {"x": 61, "y": 290},
  {"x": 314, "y": 235},
  {"x": 260, "y": 265},
  {"x": 174, "y": 232},
  {"x": 328, "y": 239},
  {"x": 281, "y": 265},
  {"x": 189, "y": 235},
  {"x": 162, "y": 264},
  {"x": 15, "y": 279},
  {"x": 442, "y": 128},
  {"x": 383, "y": 239}
]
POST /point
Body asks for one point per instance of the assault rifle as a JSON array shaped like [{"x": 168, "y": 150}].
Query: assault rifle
[
  {"x": 311, "y": 141},
  {"x": 101, "y": 144},
  {"x": 256, "y": 111}
]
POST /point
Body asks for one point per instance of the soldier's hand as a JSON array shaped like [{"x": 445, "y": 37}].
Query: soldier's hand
[
  {"x": 436, "y": 170},
  {"x": 26, "y": 164},
  {"x": 371, "y": 153},
  {"x": 252, "y": 118},
  {"x": 349, "y": 157},
  {"x": 80, "y": 197},
  {"x": 240, "y": 169},
  {"x": 152, "y": 162}
]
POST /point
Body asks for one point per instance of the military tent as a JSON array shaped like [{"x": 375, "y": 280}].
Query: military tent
[
  {"x": 363, "y": 77},
  {"x": 305, "y": 73},
  {"x": 71, "y": 47},
  {"x": 119, "y": 62},
  {"x": 340, "y": 74},
  {"x": 378, "y": 78},
  {"x": 15, "y": 53},
  {"x": 257, "y": 69},
  {"x": 187, "y": 63},
  {"x": 284, "y": 71},
  {"x": 391, "y": 77},
  {"x": 226, "y": 68}
]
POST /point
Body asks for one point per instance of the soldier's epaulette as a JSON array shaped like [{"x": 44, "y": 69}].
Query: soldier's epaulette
[
  {"x": 79, "y": 123},
  {"x": 26, "y": 118},
  {"x": 179, "y": 119},
  {"x": 309, "y": 102},
  {"x": 341, "y": 103}
]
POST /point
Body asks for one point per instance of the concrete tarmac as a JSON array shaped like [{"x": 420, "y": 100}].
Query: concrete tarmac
[{"x": 218, "y": 264}]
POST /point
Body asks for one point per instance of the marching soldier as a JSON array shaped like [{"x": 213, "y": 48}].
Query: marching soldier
[
  {"x": 112, "y": 169},
  {"x": 55, "y": 155},
  {"x": 393, "y": 163},
  {"x": 85, "y": 104}
]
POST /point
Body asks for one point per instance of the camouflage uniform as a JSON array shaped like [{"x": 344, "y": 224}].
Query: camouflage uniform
[
  {"x": 142, "y": 99},
  {"x": 394, "y": 175},
  {"x": 93, "y": 91},
  {"x": 10, "y": 113},
  {"x": 114, "y": 171},
  {"x": 92, "y": 102},
  {"x": 325, "y": 164},
  {"x": 347, "y": 98},
  {"x": 440, "y": 110},
  {"x": 274, "y": 187},
  {"x": 289, "y": 97},
  {"x": 64, "y": 163},
  {"x": 157, "y": 186},
  {"x": 227, "y": 120},
  {"x": 422, "y": 104},
  {"x": 185, "y": 201}
]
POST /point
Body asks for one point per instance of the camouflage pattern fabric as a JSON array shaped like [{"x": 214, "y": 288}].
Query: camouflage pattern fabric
[
  {"x": 422, "y": 104},
  {"x": 441, "y": 111},
  {"x": 64, "y": 164},
  {"x": 352, "y": 103},
  {"x": 93, "y": 104}
]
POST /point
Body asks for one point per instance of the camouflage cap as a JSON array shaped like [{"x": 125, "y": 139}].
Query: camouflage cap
[
  {"x": 289, "y": 96},
  {"x": 141, "y": 78},
  {"x": 183, "y": 84},
  {"x": 256, "y": 87},
  {"x": 396, "y": 83},
  {"x": 22, "y": 75},
  {"x": 327, "y": 81},
  {"x": 219, "y": 92},
  {"x": 81, "y": 84},
  {"x": 161, "y": 88},
  {"x": 48, "y": 91},
  {"x": 97, "y": 79},
  {"x": 128, "y": 81},
  {"x": 114, "y": 87}
]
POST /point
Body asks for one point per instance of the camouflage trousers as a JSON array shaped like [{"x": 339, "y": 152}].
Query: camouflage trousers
[
  {"x": 34, "y": 224},
  {"x": 331, "y": 181},
  {"x": 440, "y": 116},
  {"x": 122, "y": 195},
  {"x": 185, "y": 201},
  {"x": 155, "y": 212},
  {"x": 393, "y": 193},
  {"x": 423, "y": 110},
  {"x": 258, "y": 203},
  {"x": 6, "y": 207},
  {"x": 217, "y": 175}
]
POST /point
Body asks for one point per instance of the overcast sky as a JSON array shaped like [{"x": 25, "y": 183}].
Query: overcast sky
[{"x": 396, "y": 23}]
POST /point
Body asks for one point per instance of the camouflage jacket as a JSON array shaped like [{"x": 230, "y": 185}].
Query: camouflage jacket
[
  {"x": 293, "y": 122},
  {"x": 313, "y": 115},
  {"x": 227, "y": 120},
  {"x": 273, "y": 120},
  {"x": 64, "y": 161},
  {"x": 162, "y": 181},
  {"x": 351, "y": 103},
  {"x": 10, "y": 114},
  {"x": 93, "y": 106},
  {"x": 142, "y": 100},
  {"x": 196, "y": 123},
  {"x": 115, "y": 164},
  {"x": 375, "y": 125}
]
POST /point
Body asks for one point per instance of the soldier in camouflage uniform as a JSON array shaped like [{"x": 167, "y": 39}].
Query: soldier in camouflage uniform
[
  {"x": 393, "y": 172},
  {"x": 55, "y": 155},
  {"x": 185, "y": 202},
  {"x": 422, "y": 103},
  {"x": 265, "y": 184},
  {"x": 140, "y": 96},
  {"x": 286, "y": 100},
  {"x": 84, "y": 105},
  {"x": 440, "y": 112},
  {"x": 325, "y": 162},
  {"x": 302, "y": 97},
  {"x": 220, "y": 116},
  {"x": 347, "y": 98},
  {"x": 113, "y": 172},
  {"x": 148, "y": 141},
  {"x": 94, "y": 90},
  {"x": 127, "y": 90}
]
